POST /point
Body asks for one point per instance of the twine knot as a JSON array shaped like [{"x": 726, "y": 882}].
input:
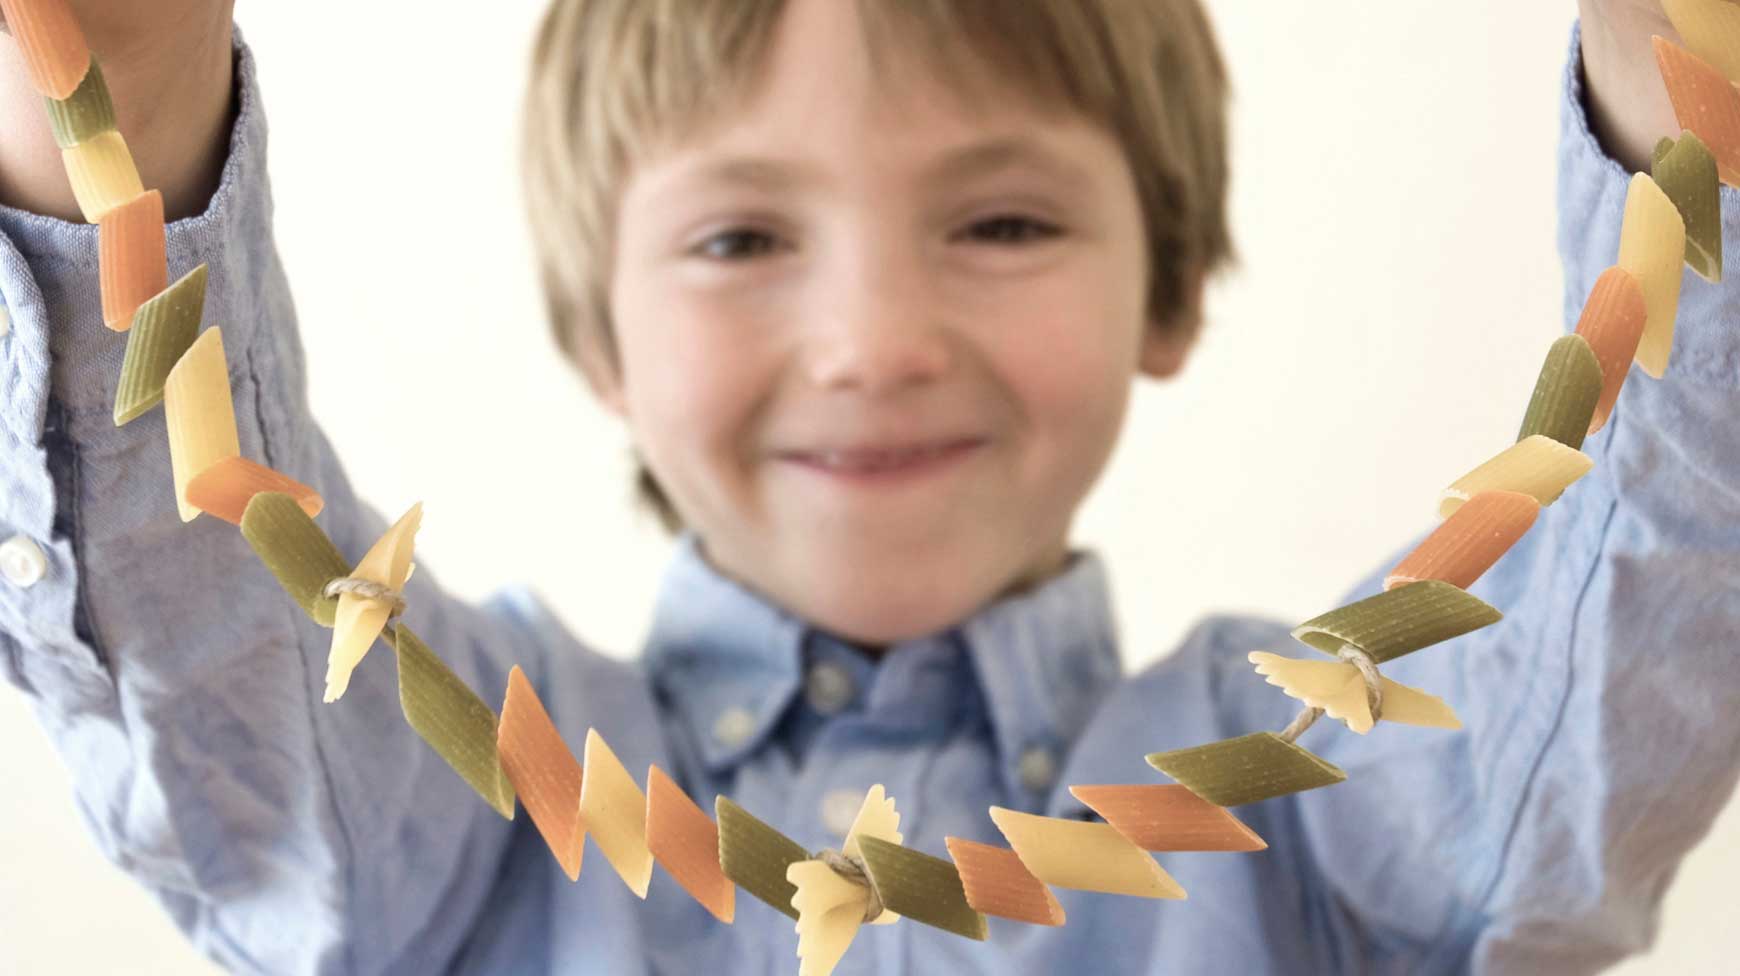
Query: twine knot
[
  {"x": 852, "y": 869},
  {"x": 1374, "y": 693},
  {"x": 368, "y": 590}
]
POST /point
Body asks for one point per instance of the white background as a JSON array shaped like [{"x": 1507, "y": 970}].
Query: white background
[{"x": 1393, "y": 198}]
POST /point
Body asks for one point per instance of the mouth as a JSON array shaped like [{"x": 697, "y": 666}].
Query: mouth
[{"x": 881, "y": 464}]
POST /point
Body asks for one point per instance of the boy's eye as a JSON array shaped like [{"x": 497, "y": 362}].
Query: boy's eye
[
  {"x": 1012, "y": 229},
  {"x": 730, "y": 245},
  {"x": 742, "y": 242}
]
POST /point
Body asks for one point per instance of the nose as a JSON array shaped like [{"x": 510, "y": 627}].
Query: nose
[{"x": 879, "y": 330}]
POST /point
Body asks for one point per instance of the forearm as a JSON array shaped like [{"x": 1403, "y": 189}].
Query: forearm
[
  {"x": 1628, "y": 104},
  {"x": 168, "y": 68}
]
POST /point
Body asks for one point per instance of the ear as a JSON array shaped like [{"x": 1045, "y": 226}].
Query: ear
[{"x": 1167, "y": 342}]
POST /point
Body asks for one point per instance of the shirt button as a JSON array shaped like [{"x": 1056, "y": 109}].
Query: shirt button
[
  {"x": 1037, "y": 769},
  {"x": 22, "y": 561},
  {"x": 734, "y": 726},
  {"x": 840, "y": 809},
  {"x": 828, "y": 688}
]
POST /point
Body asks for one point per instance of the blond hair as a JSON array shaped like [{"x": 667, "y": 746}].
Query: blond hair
[{"x": 610, "y": 79}]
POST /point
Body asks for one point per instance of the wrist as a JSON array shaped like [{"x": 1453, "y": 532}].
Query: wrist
[
  {"x": 1629, "y": 109},
  {"x": 174, "y": 105}
]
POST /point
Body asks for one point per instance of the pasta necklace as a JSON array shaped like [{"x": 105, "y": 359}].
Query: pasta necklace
[{"x": 1672, "y": 219}]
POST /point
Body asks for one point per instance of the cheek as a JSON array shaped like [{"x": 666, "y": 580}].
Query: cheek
[
  {"x": 692, "y": 383},
  {"x": 1069, "y": 358}
]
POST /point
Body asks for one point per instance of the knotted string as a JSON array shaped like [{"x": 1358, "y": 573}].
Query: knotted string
[
  {"x": 852, "y": 869},
  {"x": 368, "y": 590},
  {"x": 1374, "y": 693}
]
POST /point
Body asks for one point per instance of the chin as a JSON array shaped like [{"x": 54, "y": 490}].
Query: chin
[{"x": 880, "y": 611}]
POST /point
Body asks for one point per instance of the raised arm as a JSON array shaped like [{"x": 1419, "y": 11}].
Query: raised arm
[
  {"x": 182, "y": 686},
  {"x": 1601, "y": 737}
]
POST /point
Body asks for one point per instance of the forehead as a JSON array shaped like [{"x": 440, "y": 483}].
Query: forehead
[{"x": 874, "y": 92}]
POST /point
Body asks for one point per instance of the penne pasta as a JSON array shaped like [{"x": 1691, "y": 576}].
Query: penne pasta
[
  {"x": 916, "y": 885},
  {"x": 1470, "y": 541},
  {"x": 296, "y": 551},
  {"x": 51, "y": 42},
  {"x": 1398, "y": 622},
  {"x": 130, "y": 258},
  {"x": 1083, "y": 856},
  {"x": 85, "y": 113},
  {"x": 1711, "y": 29},
  {"x": 685, "y": 841},
  {"x": 995, "y": 882},
  {"x": 452, "y": 719},
  {"x": 614, "y": 811},
  {"x": 542, "y": 770},
  {"x": 1612, "y": 322},
  {"x": 1569, "y": 386},
  {"x": 1652, "y": 246},
  {"x": 1687, "y": 173},
  {"x": 755, "y": 856},
  {"x": 224, "y": 489},
  {"x": 1246, "y": 769},
  {"x": 163, "y": 329},
  {"x": 1537, "y": 466},
  {"x": 199, "y": 414},
  {"x": 102, "y": 174},
  {"x": 1168, "y": 817},
  {"x": 1705, "y": 102}
]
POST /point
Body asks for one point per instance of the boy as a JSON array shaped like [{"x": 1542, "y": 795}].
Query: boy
[{"x": 836, "y": 618}]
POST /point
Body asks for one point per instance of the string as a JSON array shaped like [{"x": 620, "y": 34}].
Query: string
[
  {"x": 852, "y": 869},
  {"x": 1374, "y": 693}
]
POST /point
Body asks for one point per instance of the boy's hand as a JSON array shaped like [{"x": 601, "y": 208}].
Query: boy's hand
[
  {"x": 167, "y": 64},
  {"x": 1628, "y": 104}
]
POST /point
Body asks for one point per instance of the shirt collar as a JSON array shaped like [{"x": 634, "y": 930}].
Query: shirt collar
[{"x": 731, "y": 661}]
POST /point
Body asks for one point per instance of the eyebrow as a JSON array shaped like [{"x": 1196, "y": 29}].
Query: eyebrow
[{"x": 975, "y": 159}]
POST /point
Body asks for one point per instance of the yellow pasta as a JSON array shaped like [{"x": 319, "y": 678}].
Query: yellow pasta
[
  {"x": 876, "y": 818},
  {"x": 830, "y": 911},
  {"x": 1711, "y": 30},
  {"x": 614, "y": 811},
  {"x": 830, "y": 907},
  {"x": 1339, "y": 689},
  {"x": 1084, "y": 856},
  {"x": 102, "y": 174},
  {"x": 200, "y": 415},
  {"x": 359, "y": 619},
  {"x": 1652, "y": 246},
  {"x": 1536, "y": 465}
]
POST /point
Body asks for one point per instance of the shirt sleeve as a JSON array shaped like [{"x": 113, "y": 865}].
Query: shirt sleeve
[
  {"x": 1602, "y": 714},
  {"x": 181, "y": 685}
]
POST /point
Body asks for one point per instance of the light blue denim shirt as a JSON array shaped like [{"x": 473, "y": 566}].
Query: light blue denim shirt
[{"x": 183, "y": 688}]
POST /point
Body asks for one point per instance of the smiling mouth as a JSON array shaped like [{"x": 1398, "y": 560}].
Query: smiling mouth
[{"x": 885, "y": 463}]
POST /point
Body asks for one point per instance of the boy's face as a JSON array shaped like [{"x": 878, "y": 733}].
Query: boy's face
[{"x": 880, "y": 279}]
